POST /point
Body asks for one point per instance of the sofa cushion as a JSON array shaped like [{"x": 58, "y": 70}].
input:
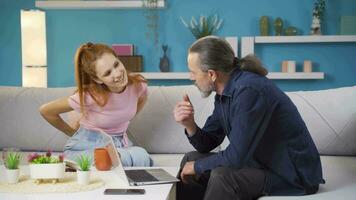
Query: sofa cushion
[
  {"x": 21, "y": 124},
  {"x": 330, "y": 116},
  {"x": 166, "y": 160},
  {"x": 340, "y": 176}
]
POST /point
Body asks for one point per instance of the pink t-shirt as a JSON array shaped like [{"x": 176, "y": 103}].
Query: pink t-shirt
[{"x": 115, "y": 116}]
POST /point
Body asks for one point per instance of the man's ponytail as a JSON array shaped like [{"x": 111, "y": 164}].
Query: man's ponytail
[
  {"x": 252, "y": 64},
  {"x": 216, "y": 54}
]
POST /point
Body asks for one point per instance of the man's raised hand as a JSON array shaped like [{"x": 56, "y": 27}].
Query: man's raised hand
[{"x": 184, "y": 114}]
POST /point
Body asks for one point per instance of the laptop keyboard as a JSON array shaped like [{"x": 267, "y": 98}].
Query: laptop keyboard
[{"x": 140, "y": 176}]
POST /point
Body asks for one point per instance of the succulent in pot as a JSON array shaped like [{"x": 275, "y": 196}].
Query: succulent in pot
[
  {"x": 83, "y": 173},
  {"x": 12, "y": 163}
]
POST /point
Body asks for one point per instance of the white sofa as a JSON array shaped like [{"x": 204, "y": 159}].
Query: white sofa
[{"x": 329, "y": 114}]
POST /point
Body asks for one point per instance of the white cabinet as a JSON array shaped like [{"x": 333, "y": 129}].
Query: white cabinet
[{"x": 248, "y": 47}]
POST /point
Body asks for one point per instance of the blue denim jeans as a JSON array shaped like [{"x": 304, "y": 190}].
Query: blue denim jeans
[{"x": 84, "y": 141}]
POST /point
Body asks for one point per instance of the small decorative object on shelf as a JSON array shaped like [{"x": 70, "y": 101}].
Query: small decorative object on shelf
[
  {"x": 291, "y": 66},
  {"x": 12, "y": 162},
  {"x": 348, "y": 25},
  {"x": 164, "y": 61},
  {"x": 132, "y": 63},
  {"x": 46, "y": 167},
  {"x": 83, "y": 174},
  {"x": 284, "y": 66},
  {"x": 264, "y": 26},
  {"x": 318, "y": 11},
  {"x": 307, "y": 66},
  {"x": 102, "y": 159},
  {"x": 278, "y": 26},
  {"x": 290, "y": 31},
  {"x": 207, "y": 25}
]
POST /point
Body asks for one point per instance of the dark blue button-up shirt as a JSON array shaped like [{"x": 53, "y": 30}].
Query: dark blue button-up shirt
[{"x": 265, "y": 130}]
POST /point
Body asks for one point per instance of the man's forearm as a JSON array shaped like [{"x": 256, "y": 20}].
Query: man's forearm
[{"x": 191, "y": 130}]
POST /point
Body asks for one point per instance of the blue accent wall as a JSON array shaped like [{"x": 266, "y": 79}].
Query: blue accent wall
[{"x": 67, "y": 29}]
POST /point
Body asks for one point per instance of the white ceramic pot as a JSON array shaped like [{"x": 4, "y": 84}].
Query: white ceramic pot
[
  {"x": 83, "y": 177},
  {"x": 47, "y": 171},
  {"x": 12, "y": 175}
]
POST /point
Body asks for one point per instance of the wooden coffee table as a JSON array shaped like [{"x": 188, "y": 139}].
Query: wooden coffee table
[{"x": 157, "y": 192}]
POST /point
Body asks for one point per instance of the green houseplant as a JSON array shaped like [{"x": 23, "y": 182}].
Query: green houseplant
[
  {"x": 12, "y": 162},
  {"x": 83, "y": 174},
  {"x": 318, "y": 13},
  {"x": 207, "y": 25},
  {"x": 46, "y": 166}
]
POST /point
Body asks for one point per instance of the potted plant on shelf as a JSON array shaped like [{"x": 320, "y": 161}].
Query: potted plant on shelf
[
  {"x": 12, "y": 162},
  {"x": 46, "y": 166},
  {"x": 83, "y": 173},
  {"x": 207, "y": 25},
  {"x": 318, "y": 12}
]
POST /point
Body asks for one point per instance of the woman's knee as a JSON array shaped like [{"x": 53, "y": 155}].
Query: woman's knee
[
  {"x": 125, "y": 157},
  {"x": 140, "y": 156}
]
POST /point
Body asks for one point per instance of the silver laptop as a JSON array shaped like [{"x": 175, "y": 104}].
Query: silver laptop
[{"x": 136, "y": 176}]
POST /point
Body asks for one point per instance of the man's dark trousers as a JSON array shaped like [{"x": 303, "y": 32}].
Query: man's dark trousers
[{"x": 221, "y": 183}]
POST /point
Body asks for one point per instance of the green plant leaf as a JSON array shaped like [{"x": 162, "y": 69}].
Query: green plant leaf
[
  {"x": 84, "y": 162},
  {"x": 13, "y": 160},
  {"x": 207, "y": 25}
]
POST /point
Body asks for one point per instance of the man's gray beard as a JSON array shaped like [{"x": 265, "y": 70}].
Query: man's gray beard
[{"x": 206, "y": 94}]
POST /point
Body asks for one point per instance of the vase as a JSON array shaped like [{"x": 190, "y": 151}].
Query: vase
[
  {"x": 102, "y": 159},
  {"x": 264, "y": 26},
  {"x": 12, "y": 175},
  {"x": 83, "y": 177},
  {"x": 51, "y": 171},
  {"x": 164, "y": 62},
  {"x": 278, "y": 26}
]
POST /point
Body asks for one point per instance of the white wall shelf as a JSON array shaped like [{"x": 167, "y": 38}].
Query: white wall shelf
[
  {"x": 296, "y": 75},
  {"x": 271, "y": 75},
  {"x": 248, "y": 47},
  {"x": 94, "y": 4},
  {"x": 305, "y": 39},
  {"x": 248, "y": 43}
]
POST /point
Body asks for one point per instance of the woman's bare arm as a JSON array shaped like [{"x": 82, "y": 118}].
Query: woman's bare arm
[{"x": 51, "y": 111}]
